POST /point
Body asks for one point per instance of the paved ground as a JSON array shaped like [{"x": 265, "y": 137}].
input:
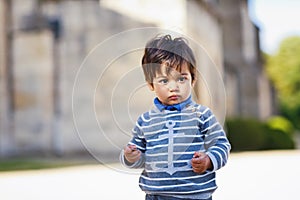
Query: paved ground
[{"x": 271, "y": 175}]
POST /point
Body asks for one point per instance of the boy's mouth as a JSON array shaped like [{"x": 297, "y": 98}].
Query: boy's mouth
[{"x": 174, "y": 97}]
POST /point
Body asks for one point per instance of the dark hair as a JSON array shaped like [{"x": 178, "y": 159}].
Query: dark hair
[{"x": 175, "y": 52}]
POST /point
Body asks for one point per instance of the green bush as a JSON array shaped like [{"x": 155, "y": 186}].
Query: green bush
[
  {"x": 280, "y": 133},
  {"x": 282, "y": 124},
  {"x": 277, "y": 139},
  {"x": 247, "y": 134}
]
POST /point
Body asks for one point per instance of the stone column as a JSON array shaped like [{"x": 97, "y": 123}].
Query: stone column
[{"x": 7, "y": 146}]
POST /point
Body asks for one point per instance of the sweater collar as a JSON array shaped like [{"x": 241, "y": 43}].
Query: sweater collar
[{"x": 177, "y": 107}]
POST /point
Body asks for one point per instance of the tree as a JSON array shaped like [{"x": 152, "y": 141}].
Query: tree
[{"x": 284, "y": 70}]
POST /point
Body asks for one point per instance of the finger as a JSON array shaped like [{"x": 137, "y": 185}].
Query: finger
[
  {"x": 199, "y": 157},
  {"x": 132, "y": 153},
  {"x": 134, "y": 156},
  {"x": 127, "y": 150},
  {"x": 199, "y": 171},
  {"x": 202, "y": 155},
  {"x": 132, "y": 147},
  {"x": 137, "y": 156},
  {"x": 197, "y": 161},
  {"x": 135, "y": 153},
  {"x": 196, "y": 154},
  {"x": 198, "y": 168}
]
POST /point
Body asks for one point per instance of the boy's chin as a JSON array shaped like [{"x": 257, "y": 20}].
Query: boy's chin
[{"x": 173, "y": 102}]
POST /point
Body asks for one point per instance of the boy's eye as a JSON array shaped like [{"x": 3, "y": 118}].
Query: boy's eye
[
  {"x": 163, "y": 81},
  {"x": 181, "y": 79}
]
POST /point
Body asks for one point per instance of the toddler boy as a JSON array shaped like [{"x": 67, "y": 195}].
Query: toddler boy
[{"x": 179, "y": 143}]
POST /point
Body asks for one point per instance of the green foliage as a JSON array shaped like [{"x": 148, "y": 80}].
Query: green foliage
[
  {"x": 17, "y": 164},
  {"x": 292, "y": 114},
  {"x": 276, "y": 139},
  {"x": 281, "y": 124},
  {"x": 252, "y": 134},
  {"x": 245, "y": 135},
  {"x": 283, "y": 69}
]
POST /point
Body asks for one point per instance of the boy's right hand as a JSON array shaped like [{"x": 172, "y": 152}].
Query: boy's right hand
[{"x": 131, "y": 153}]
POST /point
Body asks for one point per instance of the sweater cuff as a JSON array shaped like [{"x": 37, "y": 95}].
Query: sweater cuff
[{"x": 214, "y": 161}]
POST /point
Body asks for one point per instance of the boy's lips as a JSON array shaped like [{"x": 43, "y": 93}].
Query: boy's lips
[{"x": 173, "y": 97}]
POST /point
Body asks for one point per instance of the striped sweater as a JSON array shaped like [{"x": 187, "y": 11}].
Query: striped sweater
[{"x": 168, "y": 141}]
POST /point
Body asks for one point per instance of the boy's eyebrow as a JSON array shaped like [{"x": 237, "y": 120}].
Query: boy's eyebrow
[
  {"x": 165, "y": 76},
  {"x": 184, "y": 74},
  {"x": 162, "y": 76}
]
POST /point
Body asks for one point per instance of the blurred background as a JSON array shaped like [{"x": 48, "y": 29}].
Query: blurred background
[
  {"x": 44, "y": 43},
  {"x": 71, "y": 88}
]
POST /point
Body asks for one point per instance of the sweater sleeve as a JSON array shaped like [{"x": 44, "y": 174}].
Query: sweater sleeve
[
  {"x": 139, "y": 141},
  {"x": 216, "y": 143}
]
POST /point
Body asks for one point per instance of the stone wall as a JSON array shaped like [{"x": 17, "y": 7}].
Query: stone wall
[
  {"x": 248, "y": 89},
  {"x": 93, "y": 100},
  {"x": 204, "y": 26}
]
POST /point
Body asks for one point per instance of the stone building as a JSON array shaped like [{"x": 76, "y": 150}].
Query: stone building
[{"x": 76, "y": 76}]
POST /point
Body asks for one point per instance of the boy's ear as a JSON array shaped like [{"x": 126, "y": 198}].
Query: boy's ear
[
  {"x": 194, "y": 82},
  {"x": 150, "y": 85}
]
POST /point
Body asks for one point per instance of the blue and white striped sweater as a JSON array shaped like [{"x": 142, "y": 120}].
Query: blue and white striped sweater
[{"x": 168, "y": 140}]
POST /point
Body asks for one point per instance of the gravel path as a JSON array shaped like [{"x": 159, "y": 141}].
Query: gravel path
[{"x": 270, "y": 175}]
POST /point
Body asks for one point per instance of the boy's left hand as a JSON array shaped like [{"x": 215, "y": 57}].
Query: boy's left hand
[{"x": 201, "y": 162}]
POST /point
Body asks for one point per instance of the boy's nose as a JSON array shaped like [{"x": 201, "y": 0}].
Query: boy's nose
[{"x": 173, "y": 86}]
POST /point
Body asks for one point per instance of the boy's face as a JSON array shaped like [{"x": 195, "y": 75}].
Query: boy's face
[{"x": 173, "y": 87}]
